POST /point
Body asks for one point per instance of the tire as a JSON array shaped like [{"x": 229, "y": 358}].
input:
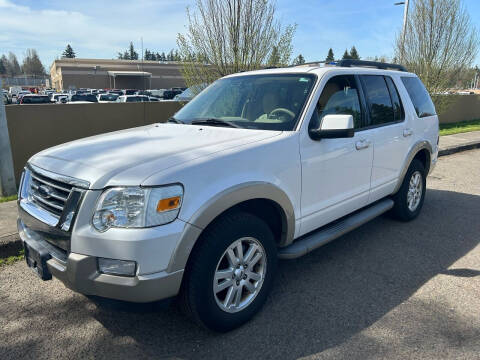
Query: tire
[
  {"x": 402, "y": 209},
  {"x": 198, "y": 297}
]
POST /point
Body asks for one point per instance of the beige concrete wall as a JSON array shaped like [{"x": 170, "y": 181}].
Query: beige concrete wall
[
  {"x": 461, "y": 108},
  {"x": 33, "y": 128}
]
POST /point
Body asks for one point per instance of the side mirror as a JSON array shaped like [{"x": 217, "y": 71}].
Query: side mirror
[{"x": 334, "y": 126}]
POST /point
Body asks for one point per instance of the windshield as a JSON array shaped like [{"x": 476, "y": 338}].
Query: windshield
[{"x": 267, "y": 102}]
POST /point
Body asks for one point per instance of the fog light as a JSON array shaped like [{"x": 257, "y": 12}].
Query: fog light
[{"x": 117, "y": 267}]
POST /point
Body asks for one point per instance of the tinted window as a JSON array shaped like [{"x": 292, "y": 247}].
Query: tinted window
[
  {"x": 36, "y": 100},
  {"x": 339, "y": 96},
  {"x": 398, "y": 111},
  {"x": 378, "y": 98},
  {"x": 420, "y": 98}
]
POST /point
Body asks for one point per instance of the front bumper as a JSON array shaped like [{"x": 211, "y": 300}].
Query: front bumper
[{"x": 80, "y": 273}]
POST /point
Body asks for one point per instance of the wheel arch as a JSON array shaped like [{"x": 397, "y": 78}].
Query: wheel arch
[
  {"x": 422, "y": 150},
  {"x": 264, "y": 200}
]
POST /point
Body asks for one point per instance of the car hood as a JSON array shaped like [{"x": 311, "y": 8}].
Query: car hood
[{"x": 130, "y": 156}]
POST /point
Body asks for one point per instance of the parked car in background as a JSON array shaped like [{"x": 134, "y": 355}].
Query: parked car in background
[
  {"x": 116, "y": 92},
  {"x": 57, "y": 98},
  {"x": 171, "y": 93},
  {"x": 83, "y": 98},
  {"x": 158, "y": 93},
  {"x": 133, "y": 98},
  {"x": 7, "y": 98},
  {"x": 20, "y": 94},
  {"x": 35, "y": 99},
  {"x": 105, "y": 98},
  {"x": 153, "y": 98},
  {"x": 129, "y": 91}
]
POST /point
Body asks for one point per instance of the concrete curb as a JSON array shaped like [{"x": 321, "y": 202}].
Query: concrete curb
[
  {"x": 458, "y": 148},
  {"x": 11, "y": 244}
]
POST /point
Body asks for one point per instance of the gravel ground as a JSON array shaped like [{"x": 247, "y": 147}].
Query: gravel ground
[{"x": 387, "y": 290}]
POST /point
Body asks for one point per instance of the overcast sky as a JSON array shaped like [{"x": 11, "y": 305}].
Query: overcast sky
[{"x": 100, "y": 29}]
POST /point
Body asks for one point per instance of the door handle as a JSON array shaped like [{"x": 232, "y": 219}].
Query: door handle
[
  {"x": 362, "y": 144},
  {"x": 407, "y": 132}
]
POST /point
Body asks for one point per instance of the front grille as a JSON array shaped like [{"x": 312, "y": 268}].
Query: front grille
[{"x": 48, "y": 194}]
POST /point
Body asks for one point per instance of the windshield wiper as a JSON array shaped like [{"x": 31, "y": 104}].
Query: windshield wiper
[
  {"x": 214, "y": 121},
  {"x": 176, "y": 121}
]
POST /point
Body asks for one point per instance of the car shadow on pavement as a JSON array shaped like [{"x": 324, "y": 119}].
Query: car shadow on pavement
[{"x": 319, "y": 301}]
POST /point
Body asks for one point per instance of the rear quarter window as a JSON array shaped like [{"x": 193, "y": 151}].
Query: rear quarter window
[{"x": 419, "y": 95}]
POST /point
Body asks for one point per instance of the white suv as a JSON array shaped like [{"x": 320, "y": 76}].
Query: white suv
[{"x": 260, "y": 165}]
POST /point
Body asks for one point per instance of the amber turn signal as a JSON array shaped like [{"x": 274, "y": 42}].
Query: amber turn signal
[{"x": 168, "y": 204}]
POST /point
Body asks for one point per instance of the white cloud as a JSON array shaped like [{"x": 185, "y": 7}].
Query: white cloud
[{"x": 97, "y": 29}]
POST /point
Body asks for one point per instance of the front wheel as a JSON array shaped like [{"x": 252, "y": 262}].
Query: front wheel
[
  {"x": 411, "y": 195},
  {"x": 230, "y": 273}
]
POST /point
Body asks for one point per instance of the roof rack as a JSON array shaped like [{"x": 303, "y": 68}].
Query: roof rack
[
  {"x": 359, "y": 63},
  {"x": 374, "y": 64}
]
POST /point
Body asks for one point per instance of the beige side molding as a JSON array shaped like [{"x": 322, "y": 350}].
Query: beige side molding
[{"x": 224, "y": 201}]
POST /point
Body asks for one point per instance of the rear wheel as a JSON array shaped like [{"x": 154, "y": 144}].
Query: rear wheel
[
  {"x": 411, "y": 195},
  {"x": 230, "y": 272}
]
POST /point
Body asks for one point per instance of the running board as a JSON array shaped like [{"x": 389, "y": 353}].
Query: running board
[{"x": 328, "y": 233}]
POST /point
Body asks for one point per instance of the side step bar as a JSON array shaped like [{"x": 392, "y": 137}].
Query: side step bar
[{"x": 328, "y": 233}]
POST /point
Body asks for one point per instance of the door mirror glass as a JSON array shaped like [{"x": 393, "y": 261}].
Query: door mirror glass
[{"x": 334, "y": 126}]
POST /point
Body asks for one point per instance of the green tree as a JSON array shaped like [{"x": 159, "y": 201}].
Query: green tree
[
  {"x": 346, "y": 55},
  {"x": 274, "y": 59},
  {"x": 3, "y": 65},
  {"x": 131, "y": 51},
  {"x": 13, "y": 67},
  {"x": 299, "y": 60},
  {"x": 232, "y": 36},
  {"x": 32, "y": 64},
  {"x": 68, "y": 52},
  {"x": 330, "y": 57},
  {"x": 354, "y": 54}
]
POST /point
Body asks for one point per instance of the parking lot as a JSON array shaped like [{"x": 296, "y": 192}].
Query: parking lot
[{"x": 386, "y": 290}]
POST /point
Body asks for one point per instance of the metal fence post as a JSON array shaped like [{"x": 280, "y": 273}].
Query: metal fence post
[{"x": 7, "y": 175}]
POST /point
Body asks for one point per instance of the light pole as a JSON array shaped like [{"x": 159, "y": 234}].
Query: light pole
[{"x": 404, "y": 29}]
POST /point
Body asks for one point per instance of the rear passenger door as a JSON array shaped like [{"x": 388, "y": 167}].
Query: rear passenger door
[{"x": 390, "y": 133}]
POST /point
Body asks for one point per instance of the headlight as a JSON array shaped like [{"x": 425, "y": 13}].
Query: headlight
[{"x": 135, "y": 207}]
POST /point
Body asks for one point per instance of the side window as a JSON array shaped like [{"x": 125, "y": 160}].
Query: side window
[
  {"x": 398, "y": 112},
  {"x": 419, "y": 95},
  {"x": 339, "y": 96},
  {"x": 378, "y": 99}
]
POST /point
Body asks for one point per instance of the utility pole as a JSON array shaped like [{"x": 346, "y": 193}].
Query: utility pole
[
  {"x": 404, "y": 28},
  {"x": 7, "y": 176}
]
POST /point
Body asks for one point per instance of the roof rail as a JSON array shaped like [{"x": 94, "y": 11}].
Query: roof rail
[
  {"x": 360, "y": 63},
  {"x": 374, "y": 64}
]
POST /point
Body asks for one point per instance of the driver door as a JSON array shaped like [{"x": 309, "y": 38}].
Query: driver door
[{"x": 335, "y": 172}]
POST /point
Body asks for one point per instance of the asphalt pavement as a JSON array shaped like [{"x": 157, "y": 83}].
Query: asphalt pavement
[{"x": 387, "y": 290}]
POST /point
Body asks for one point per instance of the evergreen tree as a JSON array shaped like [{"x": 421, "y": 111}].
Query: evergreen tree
[
  {"x": 163, "y": 57},
  {"x": 133, "y": 55},
  {"x": 68, "y": 52},
  {"x": 354, "y": 54},
  {"x": 299, "y": 60},
  {"x": 346, "y": 55},
  {"x": 3, "y": 65},
  {"x": 170, "y": 56},
  {"x": 330, "y": 56}
]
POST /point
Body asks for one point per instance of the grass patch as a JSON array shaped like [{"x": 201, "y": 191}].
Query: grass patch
[
  {"x": 12, "y": 259},
  {"x": 8, "y": 198},
  {"x": 459, "y": 127}
]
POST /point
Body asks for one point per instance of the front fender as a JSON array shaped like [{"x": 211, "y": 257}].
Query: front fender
[{"x": 223, "y": 201}]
